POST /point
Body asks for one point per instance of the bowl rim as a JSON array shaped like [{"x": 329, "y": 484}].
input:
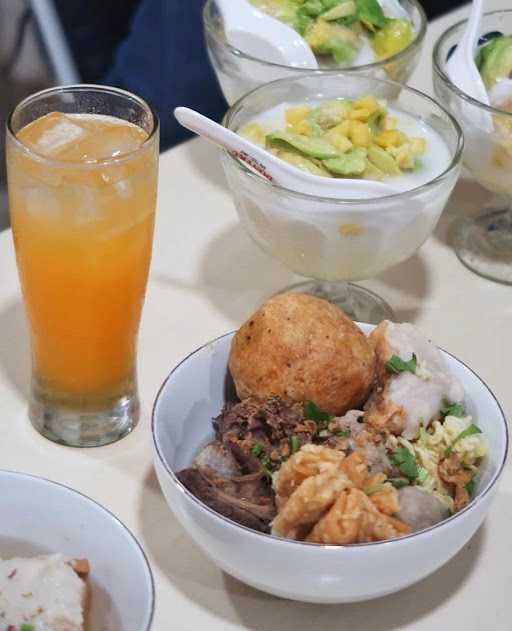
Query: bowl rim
[
  {"x": 353, "y": 203},
  {"x": 414, "y": 45},
  {"x": 96, "y": 505},
  {"x": 446, "y": 523},
  {"x": 438, "y": 66}
]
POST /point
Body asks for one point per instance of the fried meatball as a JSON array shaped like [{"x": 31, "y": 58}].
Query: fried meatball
[{"x": 302, "y": 349}]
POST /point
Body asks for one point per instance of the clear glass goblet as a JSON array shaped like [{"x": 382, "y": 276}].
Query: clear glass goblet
[
  {"x": 334, "y": 241},
  {"x": 482, "y": 243}
]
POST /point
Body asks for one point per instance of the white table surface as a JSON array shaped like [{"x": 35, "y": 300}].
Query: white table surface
[{"x": 206, "y": 278}]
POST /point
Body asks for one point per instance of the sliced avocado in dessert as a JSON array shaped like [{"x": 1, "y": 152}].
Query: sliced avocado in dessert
[
  {"x": 303, "y": 163},
  {"x": 313, "y": 147},
  {"x": 353, "y": 162},
  {"x": 383, "y": 160},
  {"x": 341, "y": 10},
  {"x": 330, "y": 38},
  {"x": 495, "y": 60},
  {"x": 371, "y": 14}
]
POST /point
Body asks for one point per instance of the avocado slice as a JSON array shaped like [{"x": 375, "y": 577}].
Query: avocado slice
[
  {"x": 353, "y": 162},
  {"x": 341, "y": 10},
  {"x": 312, "y": 147},
  {"x": 496, "y": 60},
  {"x": 303, "y": 163},
  {"x": 330, "y": 38}
]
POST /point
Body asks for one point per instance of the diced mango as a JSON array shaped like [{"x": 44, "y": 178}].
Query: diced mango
[
  {"x": 254, "y": 133},
  {"x": 404, "y": 157},
  {"x": 369, "y": 103},
  {"x": 418, "y": 146},
  {"x": 336, "y": 137},
  {"x": 390, "y": 123},
  {"x": 392, "y": 138},
  {"x": 345, "y": 127},
  {"x": 359, "y": 134},
  {"x": 360, "y": 114},
  {"x": 296, "y": 115},
  {"x": 301, "y": 128}
]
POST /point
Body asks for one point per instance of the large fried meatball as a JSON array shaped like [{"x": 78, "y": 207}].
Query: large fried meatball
[{"x": 303, "y": 349}]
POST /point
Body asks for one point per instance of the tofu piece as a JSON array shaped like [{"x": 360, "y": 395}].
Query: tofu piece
[{"x": 47, "y": 592}]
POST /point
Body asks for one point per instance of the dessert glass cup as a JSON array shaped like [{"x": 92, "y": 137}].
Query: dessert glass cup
[
  {"x": 83, "y": 235},
  {"x": 238, "y": 73},
  {"x": 484, "y": 243},
  {"x": 334, "y": 241}
]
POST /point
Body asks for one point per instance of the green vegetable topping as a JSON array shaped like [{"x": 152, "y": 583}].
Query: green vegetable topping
[
  {"x": 313, "y": 413},
  {"x": 266, "y": 467},
  {"x": 27, "y": 627},
  {"x": 422, "y": 474},
  {"x": 257, "y": 450},
  {"x": 406, "y": 463},
  {"x": 295, "y": 444},
  {"x": 453, "y": 409},
  {"x": 396, "y": 365},
  {"x": 471, "y": 486},
  {"x": 399, "y": 483},
  {"x": 343, "y": 434},
  {"x": 469, "y": 431}
]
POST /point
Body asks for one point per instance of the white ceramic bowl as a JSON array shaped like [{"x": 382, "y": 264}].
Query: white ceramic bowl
[
  {"x": 195, "y": 392},
  {"x": 42, "y": 517}
]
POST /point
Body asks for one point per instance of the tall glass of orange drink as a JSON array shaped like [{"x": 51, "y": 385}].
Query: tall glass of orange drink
[{"x": 82, "y": 174}]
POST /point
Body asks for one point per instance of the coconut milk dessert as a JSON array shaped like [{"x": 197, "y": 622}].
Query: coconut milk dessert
[{"x": 364, "y": 138}]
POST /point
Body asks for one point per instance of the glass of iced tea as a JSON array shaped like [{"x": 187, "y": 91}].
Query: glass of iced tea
[{"x": 82, "y": 174}]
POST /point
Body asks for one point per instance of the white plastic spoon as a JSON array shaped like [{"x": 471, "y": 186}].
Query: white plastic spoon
[
  {"x": 262, "y": 36},
  {"x": 393, "y": 9},
  {"x": 462, "y": 70},
  {"x": 500, "y": 95},
  {"x": 276, "y": 170}
]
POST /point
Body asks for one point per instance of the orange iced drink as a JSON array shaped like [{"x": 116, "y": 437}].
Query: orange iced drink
[{"x": 82, "y": 194}]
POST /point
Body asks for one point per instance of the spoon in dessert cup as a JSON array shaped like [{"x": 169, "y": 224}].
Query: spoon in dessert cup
[
  {"x": 462, "y": 70},
  {"x": 393, "y": 9},
  {"x": 278, "y": 171},
  {"x": 261, "y": 36}
]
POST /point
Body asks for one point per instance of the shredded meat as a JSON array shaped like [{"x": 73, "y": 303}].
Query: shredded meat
[
  {"x": 244, "y": 499},
  {"x": 453, "y": 473},
  {"x": 269, "y": 425}
]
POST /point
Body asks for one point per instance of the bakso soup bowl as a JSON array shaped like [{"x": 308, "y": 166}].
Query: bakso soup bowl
[{"x": 195, "y": 392}]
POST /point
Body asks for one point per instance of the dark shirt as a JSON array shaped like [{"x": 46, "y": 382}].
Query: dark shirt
[{"x": 154, "y": 48}]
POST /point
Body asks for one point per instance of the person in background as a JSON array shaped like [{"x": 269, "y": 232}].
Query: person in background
[{"x": 155, "y": 48}]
